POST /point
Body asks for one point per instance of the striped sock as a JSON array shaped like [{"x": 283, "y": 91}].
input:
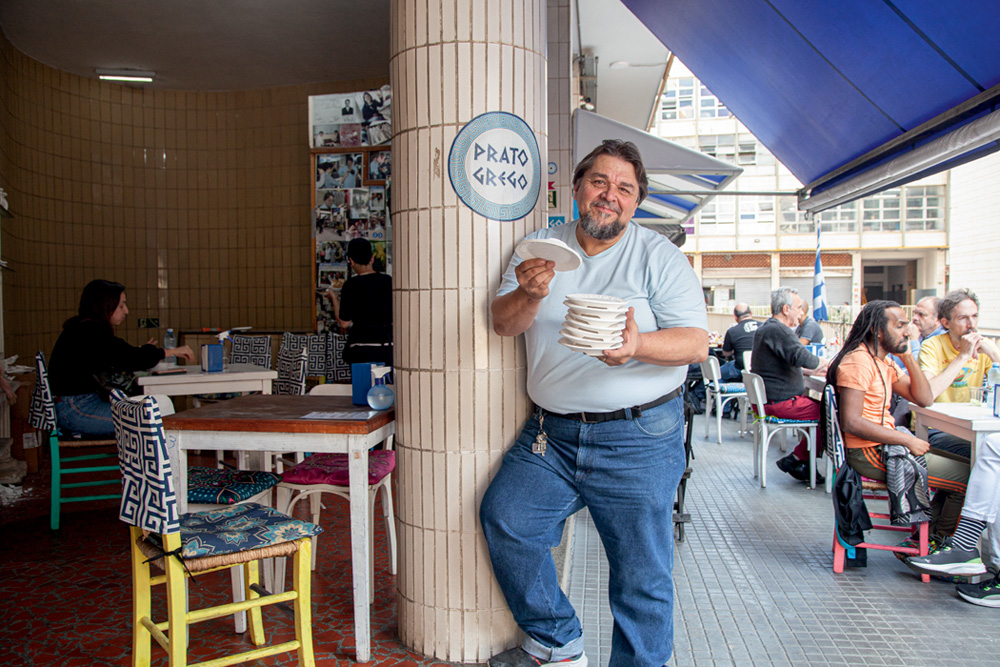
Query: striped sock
[{"x": 967, "y": 534}]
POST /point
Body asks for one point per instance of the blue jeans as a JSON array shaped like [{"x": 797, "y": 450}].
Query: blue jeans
[
  {"x": 84, "y": 413},
  {"x": 626, "y": 473},
  {"x": 729, "y": 373}
]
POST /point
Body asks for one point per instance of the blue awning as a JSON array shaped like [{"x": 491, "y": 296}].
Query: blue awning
[
  {"x": 681, "y": 180},
  {"x": 853, "y": 96}
]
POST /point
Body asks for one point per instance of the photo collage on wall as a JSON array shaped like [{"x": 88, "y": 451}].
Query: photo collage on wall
[{"x": 352, "y": 187}]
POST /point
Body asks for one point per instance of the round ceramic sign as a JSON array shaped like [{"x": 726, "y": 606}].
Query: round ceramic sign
[{"x": 494, "y": 166}]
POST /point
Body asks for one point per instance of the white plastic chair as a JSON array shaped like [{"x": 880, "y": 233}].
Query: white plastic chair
[
  {"x": 747, "y": 355},
  {"x": 720, "y": 393},
  {"x": 766, "y": 426}
]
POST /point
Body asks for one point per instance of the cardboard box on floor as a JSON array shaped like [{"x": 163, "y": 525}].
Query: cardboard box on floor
[{"x": 27, "y": 445}]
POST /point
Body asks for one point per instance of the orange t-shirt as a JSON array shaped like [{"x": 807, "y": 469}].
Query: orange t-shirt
[{"x": 875, "y": 377}]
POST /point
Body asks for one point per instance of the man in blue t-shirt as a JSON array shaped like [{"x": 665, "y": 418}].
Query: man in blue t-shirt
[{"x": 607, "y": 430}]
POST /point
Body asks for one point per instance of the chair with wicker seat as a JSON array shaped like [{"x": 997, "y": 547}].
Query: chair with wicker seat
[
  {"x": 873, "y": 490},
  {"x": 238, "y": 535},
  {"x": 42, "y": 417},
  {"x": 766, "y": 427}
]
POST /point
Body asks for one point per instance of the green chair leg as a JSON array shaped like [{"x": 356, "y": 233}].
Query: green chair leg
[{"x": 56, "y": 483}]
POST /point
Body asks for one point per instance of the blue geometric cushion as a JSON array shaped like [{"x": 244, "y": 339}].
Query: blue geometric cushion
[
  {"x": 239, "y": 528},
  {"x": 732, "y": 388},
  {"x": 781, "y": 420},
  {"x": 223, "y": 486}
]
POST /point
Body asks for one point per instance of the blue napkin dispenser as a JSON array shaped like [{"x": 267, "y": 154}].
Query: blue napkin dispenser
[
  {"x": 361, "y": 381},
  {"x": 211, "y": 358}
]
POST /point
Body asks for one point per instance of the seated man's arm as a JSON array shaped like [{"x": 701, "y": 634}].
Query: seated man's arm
[
  {"x": 915, "y": 387},
  {"x": 727, "y": 345},
  {"x": 941, "y": 378},
  {"x": 852, "y": 421}
]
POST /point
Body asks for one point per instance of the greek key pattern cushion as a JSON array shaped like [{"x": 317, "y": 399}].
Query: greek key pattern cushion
[
  {"x": 148, "y": 497},
  {"x": 239, "y": 528},
  {"x": 42, "y": 411},
  {"x": 337, "y": 370},
  {"x": 315, "y": 344},
  {"x": 332, "y": 468},
  {"x": 251, "y": 350},
  {"x": 291, "y": 372},
  {"x": 223, "y": 486}
]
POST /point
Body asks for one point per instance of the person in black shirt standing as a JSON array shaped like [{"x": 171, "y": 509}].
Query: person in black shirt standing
[
  {"x": 87, "y": 355},
  {"x": 739, "y": 339},
  {"x": 364, "y": 308}
]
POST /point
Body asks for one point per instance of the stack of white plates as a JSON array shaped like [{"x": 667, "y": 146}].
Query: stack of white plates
[{"x": 593, "y": 323}]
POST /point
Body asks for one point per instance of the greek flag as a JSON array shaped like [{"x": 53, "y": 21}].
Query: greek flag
[{"x": 819, "y": 286}]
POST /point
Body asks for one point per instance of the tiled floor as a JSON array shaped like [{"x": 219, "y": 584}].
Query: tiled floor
[
  {"x": 754, "y": 586},
  {"x": 754, "y": 582}
]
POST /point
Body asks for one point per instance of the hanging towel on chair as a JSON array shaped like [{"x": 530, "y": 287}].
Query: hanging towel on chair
[{"x": 906, "y": 479}]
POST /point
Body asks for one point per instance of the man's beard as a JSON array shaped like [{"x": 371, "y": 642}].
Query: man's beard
[
  {"x": 594, "y": 229},
  {"x": 894, "y": 346}
]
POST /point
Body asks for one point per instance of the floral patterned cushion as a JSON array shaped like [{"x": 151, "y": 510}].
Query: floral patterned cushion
[
  {"x": 238, "y": 528},
  {"x": 332, "y": 468},
  {"x": 224, "y": 486}
]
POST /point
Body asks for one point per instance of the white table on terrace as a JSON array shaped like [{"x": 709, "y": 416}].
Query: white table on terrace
[{"x": 233, "y": 378}]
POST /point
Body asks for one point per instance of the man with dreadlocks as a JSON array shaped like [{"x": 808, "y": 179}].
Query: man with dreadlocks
[{"x": 865, "y": 380}]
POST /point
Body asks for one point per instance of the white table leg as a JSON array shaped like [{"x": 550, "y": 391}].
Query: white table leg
[{"x": 358, "y": 476}]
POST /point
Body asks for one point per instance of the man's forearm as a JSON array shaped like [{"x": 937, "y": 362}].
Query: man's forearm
[
  {"x": 678, "y": 346},
  {"x": 514, "y": 312},
  {"x": 943, "y": 380}
]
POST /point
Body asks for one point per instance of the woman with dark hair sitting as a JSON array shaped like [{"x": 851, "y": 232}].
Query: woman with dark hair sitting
[{"x": 87, "y": 355}]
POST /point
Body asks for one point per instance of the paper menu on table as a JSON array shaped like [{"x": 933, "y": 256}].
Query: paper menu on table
[{"x": 343, "y": 414}]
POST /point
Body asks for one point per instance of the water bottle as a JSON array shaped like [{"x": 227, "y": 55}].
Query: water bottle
[
  {"x": 992, "y": 380},
  {"x": 380, "y": 396},
  {"x": 169, "y": 343}
]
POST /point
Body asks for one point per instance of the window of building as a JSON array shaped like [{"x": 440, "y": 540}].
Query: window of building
[
  {"x": 925, "y": 207},
  {"x": 709, "y": 106},
  {"x": 722, "y": 146},
  {"x": 720, "y": 211},
  {"x": 881, "y": 211},
  {"x": 747, "y": 150},
  {"x": 843, "y": 218},
  {"x": 791, "y": 219}
]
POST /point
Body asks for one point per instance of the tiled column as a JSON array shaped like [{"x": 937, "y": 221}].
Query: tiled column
[{"x": 460, "y": 387}]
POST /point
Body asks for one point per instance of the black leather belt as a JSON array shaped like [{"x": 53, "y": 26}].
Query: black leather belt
[{"x": 625, "y": 413}]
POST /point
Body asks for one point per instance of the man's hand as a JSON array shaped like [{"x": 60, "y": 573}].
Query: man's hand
[
  {"x": 987, "y": 347},
  {"x": 630, "y": 343},
  {"x": 819, "y": 370},
  {"x": 969, "y": 347},
  {"x": 534, "y": 276},
  {"x": 916, "y": 446}
]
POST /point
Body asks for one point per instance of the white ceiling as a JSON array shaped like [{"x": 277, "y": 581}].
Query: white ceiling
[{"x": 247, "y": 44}]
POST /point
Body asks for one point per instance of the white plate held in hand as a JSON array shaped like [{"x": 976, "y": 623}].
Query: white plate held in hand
[{"x": 566, "y": 258}]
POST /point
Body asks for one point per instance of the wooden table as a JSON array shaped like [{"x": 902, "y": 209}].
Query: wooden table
[
  {"x": 233, "y": 378},
  {"x": 264, "y": 423}
]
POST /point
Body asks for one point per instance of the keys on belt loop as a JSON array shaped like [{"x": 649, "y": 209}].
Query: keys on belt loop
[{"x": 541, "y": 440}]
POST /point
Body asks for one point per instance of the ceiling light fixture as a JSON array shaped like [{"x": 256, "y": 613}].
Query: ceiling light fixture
[{"x": 127, "y": 75}]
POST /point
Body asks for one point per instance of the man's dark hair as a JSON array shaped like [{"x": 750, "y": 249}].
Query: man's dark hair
[
  {"x": 624, "y": 150},
  {"x": 359, "y": 251},
  {"x": 871, "y": 320},
  {"x": 946, "y": 306}
]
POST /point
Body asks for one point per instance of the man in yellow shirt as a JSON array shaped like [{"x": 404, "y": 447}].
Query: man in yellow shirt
[{"x": 956, "y": 360}]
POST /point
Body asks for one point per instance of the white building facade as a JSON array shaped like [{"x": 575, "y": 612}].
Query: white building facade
[{"x": 893, "y": 245}]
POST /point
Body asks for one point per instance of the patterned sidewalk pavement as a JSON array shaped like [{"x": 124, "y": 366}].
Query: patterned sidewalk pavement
[{"x": 754, "y": 581}]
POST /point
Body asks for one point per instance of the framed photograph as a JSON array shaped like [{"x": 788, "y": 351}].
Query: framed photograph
[
  {"x": 326, "y": 136},
  {"x": 376, "y": 198},
  {"x": 359, "y": 204},
  {"x": 350, "y": 134},
  {"x": 379, "y": 167}
]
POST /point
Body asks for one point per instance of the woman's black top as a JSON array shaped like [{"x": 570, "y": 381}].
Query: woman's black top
[{"x": 88, "y": 348}]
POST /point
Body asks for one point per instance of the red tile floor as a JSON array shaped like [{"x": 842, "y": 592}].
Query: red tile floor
[{"x": 66, "y": 595}]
